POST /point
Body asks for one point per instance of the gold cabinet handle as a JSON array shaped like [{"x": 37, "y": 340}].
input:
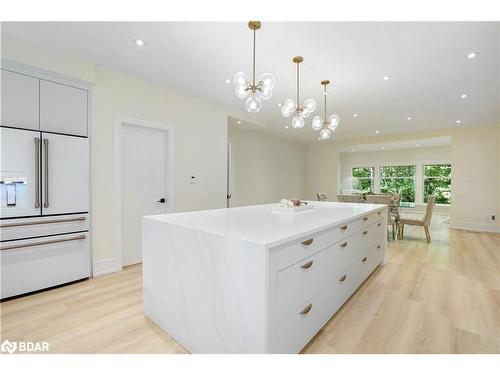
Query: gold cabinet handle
[
  {"x": 307, "y": 265},
  {"x": 343, "y": 244},
  {"x": 343, "y": 227},
  {"x": 365, "y": 232},
  {"x": 307, "y": 242},
  {"x": 379, "y": 213},
  {"x": 378, "y": 247},
  {"x": 307, "y": 309},
  {"x": 379, "y": 224},
  {"x": 365, "y": 218},
  {"x": 343, "y": 278},
  {"x": 364, "y": 259}
]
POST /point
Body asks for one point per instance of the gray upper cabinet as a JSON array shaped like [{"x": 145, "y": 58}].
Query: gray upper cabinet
[
  {"x": 63, "y": 109},
  {"x": 20, "y": 100}
]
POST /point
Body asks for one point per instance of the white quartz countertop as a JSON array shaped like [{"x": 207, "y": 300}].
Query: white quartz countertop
[{"x": 261, "y": 225}]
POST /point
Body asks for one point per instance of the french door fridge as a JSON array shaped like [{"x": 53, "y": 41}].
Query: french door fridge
[{"x": 44, "y": 207}]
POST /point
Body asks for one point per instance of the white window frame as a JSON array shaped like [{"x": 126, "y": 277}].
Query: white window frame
[
  {"x": 364, "y": 178},
  {"x": 419, "y": 174},
  {"x": 423, "y": 179}
]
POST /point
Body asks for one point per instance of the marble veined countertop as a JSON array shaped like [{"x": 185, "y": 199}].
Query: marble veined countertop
[{"x": 261, "y": 225}]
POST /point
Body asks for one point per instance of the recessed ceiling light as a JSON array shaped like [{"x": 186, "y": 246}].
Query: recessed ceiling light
[
  {"x": 238, "y": 122},
  {"x": 319, "y": 139},
  {"x": 353, "y": 150},
  {"x": 382, "y": 148},
  {"x": 386, "y": 78},
  {"x": 417, "y": 145},
  {"x": 286, "y": 127},
  {"x": 458, "y": 122},
  {"x": 463, "y": 96},
  {"x": 228, "y": 81},
  {"x": 279, "y": 104},
  {"x": 377, "y": 131},
  {"x": 139, "y": 42},
  {"x": 471, "y": 55},
  {"x": 355, "y": 115},
  {"x": 408, "y": 118}
]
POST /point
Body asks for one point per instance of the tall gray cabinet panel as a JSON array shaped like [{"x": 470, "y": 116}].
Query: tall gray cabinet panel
[
  {"x": 63, "y": 109},
  {"x": 20, "y": 100}
]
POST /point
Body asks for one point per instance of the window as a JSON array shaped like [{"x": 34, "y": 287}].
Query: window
[
  {"x": 365, "y": 179},
  {"x": 399, "y": 179},
  {"x": 437, "y": 181}
]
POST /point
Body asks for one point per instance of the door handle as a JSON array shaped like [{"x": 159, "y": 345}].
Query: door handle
[
  {"x": 11, "y": 247},
  {"x": 46, "y": 182},
  {"x": 37, "y": 172},
  {"x": 162, "y": 200}
]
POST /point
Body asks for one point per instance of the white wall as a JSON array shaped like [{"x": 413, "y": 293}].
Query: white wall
[
  {"x": 266, "y": 168},
  {"x": 200, "y": 136}
]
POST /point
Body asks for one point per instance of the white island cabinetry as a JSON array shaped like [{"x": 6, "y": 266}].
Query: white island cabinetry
[{"x": 249, "y": 280}]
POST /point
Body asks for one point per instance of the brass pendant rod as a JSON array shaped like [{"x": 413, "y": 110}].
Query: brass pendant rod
[
  {"x": 254, "y": 57},
  {"x": 325, "y": 101},
  {"x": 298, "y": 103}
]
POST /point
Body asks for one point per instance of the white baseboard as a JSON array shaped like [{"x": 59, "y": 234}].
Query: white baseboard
[
  {"x": 102, "y": 267},
  {"x": 475, "y": 227}
]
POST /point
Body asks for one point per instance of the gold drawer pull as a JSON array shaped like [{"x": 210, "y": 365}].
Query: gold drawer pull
[
  {"x": 379, "y": 213},
  {"x": 365, "y": 232},
  {"x": 307, "y": 265},
  {"x": 378, "y": 247},
  {"x": 343, "y": 227},
  {"x": 379, "y": 224},
  {"x": 307, "y": 242},
  {"x": 343, "y": 278},
  {"x": 343, "y": 244},
  {"x": 306, "y": 310},
  {"x": 364, "y": 259},
  {"x": 365, "y": 218}
]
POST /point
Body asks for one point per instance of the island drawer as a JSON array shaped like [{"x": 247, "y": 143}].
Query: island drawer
[
  {"x": 294, "y": 251},
  {"x": 299, "y": 282},
  {"x": 369, "y": 261},
  {"x": 299, "y": 328}
]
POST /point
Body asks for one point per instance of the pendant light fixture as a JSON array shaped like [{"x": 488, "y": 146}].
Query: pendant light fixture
[
  {"x": 255, "y": 91},
  {"x": 293, "y": 107},
  {"x": 326, "y": 126}
]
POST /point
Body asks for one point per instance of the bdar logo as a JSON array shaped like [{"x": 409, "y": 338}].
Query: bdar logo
[{"x": 8, "y": 347}]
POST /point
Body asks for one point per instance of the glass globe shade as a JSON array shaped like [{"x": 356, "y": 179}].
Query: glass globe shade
[
  {"x": 253, "y": 104},
  {"x": 310, "y": 104},
  {"x": 334, "y": 121},
  {"x": 268, "y": 81},
  {"x": 305, "y": 112},
  {"x": 240, "y": 79},
  {"x": 265, "y": 94},
  {"x": 298, "y": 122},
  {"x": 317, "y": 123},
  {"x": 285, "y": 112},
  {"x": 241, "y": 92},
  {"x": 325, "y": 133},
  {"x": 290, "y": 105}
]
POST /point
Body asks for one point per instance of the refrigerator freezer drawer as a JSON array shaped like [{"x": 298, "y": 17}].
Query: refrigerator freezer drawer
[
  {"x": 15, "y": 229},
  {"x": 30, "y": 265}
]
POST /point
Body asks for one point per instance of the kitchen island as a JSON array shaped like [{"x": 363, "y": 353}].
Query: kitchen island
[{"x": 250, "y": 280}]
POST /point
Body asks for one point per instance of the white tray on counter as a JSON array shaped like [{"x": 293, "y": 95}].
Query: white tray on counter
[{"x": 304, "y": 207}]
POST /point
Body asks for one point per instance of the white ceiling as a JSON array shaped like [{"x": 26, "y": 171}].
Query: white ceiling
[{"x": 426, "y": 61}]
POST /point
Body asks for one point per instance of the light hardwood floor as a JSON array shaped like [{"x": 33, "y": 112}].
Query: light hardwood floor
[{"x": 442, "y": 297}]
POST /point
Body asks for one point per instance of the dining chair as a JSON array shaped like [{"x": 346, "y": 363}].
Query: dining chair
[
  {"x": 386, "y": 199},
  {"x": 350, "y": 198},
  {"x": 321, "y": 197},
  {"x": 425, "y": 221}
]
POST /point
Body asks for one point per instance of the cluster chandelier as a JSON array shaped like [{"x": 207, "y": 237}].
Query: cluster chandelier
[
  {"x": 326, "y": 126},
  {"x": 293, "y": 107},
  {"x": 256, "y": 91}
]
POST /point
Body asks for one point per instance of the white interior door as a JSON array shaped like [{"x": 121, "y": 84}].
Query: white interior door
[{"x": 144, "y": 184}]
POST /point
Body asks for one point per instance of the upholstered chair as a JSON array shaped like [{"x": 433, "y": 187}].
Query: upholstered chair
[{"x": 425, "y": 221}]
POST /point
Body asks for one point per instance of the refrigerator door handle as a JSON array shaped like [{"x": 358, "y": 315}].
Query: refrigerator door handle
[
  {"x": 46, "y": 182},
  {"x": 11, "y": 247},
  {"x": 56, "y": 221},
  {"x": 37, "y": 172}
]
